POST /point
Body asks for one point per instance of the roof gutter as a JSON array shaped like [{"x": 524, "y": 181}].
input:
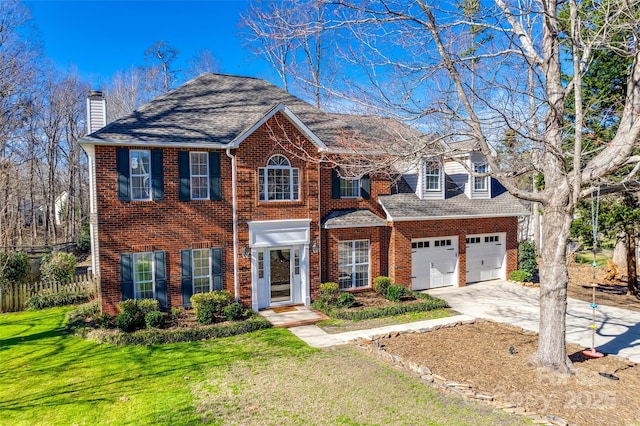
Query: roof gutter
[
  {"x": 164, "y": 144},
  {"x": 234, "y": 207},
  {"x": 479, "y": 216}
]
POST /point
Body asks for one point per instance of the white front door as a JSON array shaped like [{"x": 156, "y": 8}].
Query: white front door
[
  {"x": 279, "y": 275},
  {"x": 434, "y": 262},
  {"x": 485, "y": 257}
]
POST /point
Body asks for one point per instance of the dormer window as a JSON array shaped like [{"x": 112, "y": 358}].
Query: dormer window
[
  {"x": 432, "y": 175},
  {"x": 279, "y": 181},
  {"x": 480, "y": 183}
]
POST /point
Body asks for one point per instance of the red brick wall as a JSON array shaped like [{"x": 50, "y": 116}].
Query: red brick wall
[
  {"x": 378, "y": 248},
  {"x": 379, "y": 186},
  {"x": 172, "y": 225},
  {"x": 404, "y": 232}
]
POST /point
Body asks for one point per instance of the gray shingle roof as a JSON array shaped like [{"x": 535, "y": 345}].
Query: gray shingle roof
[
  {"x": 405, "y": 205},
  {"x": 352, "y": 218},
  {"x": 217, "y": 108}
]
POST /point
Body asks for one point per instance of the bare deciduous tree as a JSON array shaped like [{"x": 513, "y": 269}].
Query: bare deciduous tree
[{"x": 414, "y": 67}]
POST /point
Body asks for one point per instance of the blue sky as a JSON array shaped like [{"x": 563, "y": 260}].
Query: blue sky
[{"x": 102, "y": 37}]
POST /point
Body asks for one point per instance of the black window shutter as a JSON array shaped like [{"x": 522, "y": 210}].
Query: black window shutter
[
  {"x": 161, "y": 277},
  {"x": 122, "y": 167},
  {"x": 184, "y": 176},
  {"x": 214, "y": 176},
  {"x": 157, "y": 175},
  {"x": 335, "y": 184},
  {"x": 187, "y": 280},
  {"x": 126, "y": 276},
  {"x": 365, "y": 187},
  {"x": 216, "y": 268}
]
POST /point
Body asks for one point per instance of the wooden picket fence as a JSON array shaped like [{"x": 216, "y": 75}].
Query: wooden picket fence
[{"x": 13, "y": 298}]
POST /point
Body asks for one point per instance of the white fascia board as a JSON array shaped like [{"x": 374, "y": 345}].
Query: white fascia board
[
  {"x": 479, "y": 216},
  {"x": 389, "y": 217},
  {"x": 291, "y": 116},
  {"x": 359, "y": 225},
  {"x": 160, "y": 144}
]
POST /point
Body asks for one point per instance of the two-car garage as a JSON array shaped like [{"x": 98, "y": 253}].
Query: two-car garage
[{"x": 434, "y": 261}]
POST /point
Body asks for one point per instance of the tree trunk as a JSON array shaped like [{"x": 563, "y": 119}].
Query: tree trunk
[
  {"x": 620, "y": 253},
  {"x": 632, "y": 278},
  {"x": 554, "y": 277}
]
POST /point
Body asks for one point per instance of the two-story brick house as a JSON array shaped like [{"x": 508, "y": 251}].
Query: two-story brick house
[{"x": 221, "y": 183}]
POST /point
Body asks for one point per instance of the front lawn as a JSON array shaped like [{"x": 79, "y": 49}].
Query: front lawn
[{"x": 264, "y": 377}]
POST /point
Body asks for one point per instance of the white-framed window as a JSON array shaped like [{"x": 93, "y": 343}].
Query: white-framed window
[
  {"x": 480, "y": 183},
  {"x": 143, "y": 278},
  {"x": 260, "y": 264},
  {"x": 353, "y": 264},
  {"x": 140, "y": 164},
  {"x": 199, "y": 164},
  {"x": 349, "y": 188},
  {"x": 432, "y": 175},
  {"x": 201, "y": 261},
  {"x": 279, "y": 181}
]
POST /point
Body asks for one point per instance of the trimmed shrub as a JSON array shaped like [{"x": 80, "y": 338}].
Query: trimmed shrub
[
  {"x": 14, "y": 267},
  {"x": 78, "y": 319},
  {"x": 48, "y": 300},
  {"x": 156, "y": 337},
  {"x": 520, "y": 276},
  {"x": 131, "y": 318},
  {"x": 104, "y": 320},
  {"x": 395, "y": 292},
  {"x": 381, "y": 284},
  {"x": 346, "y": 300},
  {"x": 129, "y": 305},
  {"x": 234, "y": 312},
  {"x": 527, "y": 257},
  {"x": 210, "y": 306},
  {"x": 154, "y": 319},
  {"x": 58, "y": 267},
  {"x": 329, "y": 293},
  {"x": 148, "y": 305},
  {"x": 128, "y": 322},
  {"x": 428, "y": 303}
]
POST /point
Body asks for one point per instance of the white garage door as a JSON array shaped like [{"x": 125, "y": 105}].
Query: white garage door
[
  {"x": 485, "y": 257},
  {"x": 434, "y": 262}
]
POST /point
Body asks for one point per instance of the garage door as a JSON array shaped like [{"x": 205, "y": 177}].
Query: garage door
[
  {"x": 434, "y": 262},
  {"x": 485, "y": 257}
]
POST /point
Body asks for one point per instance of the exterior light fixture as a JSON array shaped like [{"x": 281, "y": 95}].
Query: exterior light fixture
[
  {"x": 314, "y": 247},
  {"x": 245, "y": 252}
]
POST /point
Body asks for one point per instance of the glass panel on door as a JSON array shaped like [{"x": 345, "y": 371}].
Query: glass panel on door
[{"x": 280, "y": 275}]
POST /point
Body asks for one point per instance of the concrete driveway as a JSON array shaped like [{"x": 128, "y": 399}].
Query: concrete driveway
[{"x": 618, "y": 330}]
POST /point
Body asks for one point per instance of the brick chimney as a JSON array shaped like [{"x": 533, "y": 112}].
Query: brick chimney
[{"x": 96, "y": 111}]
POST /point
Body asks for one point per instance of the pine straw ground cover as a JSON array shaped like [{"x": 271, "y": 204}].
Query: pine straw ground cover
[{"x": 478, "y": 354}]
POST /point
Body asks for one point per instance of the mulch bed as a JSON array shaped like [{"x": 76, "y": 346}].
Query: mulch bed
[
  {"x": 608, "y": 292},
  {"x": 478, "y": 354}
]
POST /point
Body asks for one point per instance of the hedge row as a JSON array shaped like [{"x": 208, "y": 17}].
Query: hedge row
[
  {"x": 50, "y": 300},
  {"x": 429, "y": 303},
  {"x": 158, "y": 336}
]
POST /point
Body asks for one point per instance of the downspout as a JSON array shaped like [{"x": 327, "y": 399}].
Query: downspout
[
  {"x": 319, "y": 220},
  {"x": 234, "y": 207}
]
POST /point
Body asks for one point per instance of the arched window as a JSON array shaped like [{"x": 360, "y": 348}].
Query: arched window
[{"x": 279, "y": 181}]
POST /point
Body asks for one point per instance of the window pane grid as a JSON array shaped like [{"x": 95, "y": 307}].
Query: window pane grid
[
  {"x": 140, "y": 164},
  {"x": 432, "y": 176},
  {"x": 278, "y": 181},
  {"x": 199, "y": 175},
  {"x": 201, "y": 271},
  {"x": 353, "y": 264},
  {"x": 143, "y": 275},
  {"x": 480, "y": 182},
  {"x": 349, "y": 188}
]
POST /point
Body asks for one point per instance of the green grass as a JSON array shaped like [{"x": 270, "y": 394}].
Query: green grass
[
  {"x": 335, "y": 325},
  {"x": 50, "y": 377},
  {"x": 587, "y": 257}
]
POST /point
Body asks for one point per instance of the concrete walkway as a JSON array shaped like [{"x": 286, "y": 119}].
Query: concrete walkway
[
  {"x": 618, "y": 330},
  {"x": 315, "y": 337}
]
